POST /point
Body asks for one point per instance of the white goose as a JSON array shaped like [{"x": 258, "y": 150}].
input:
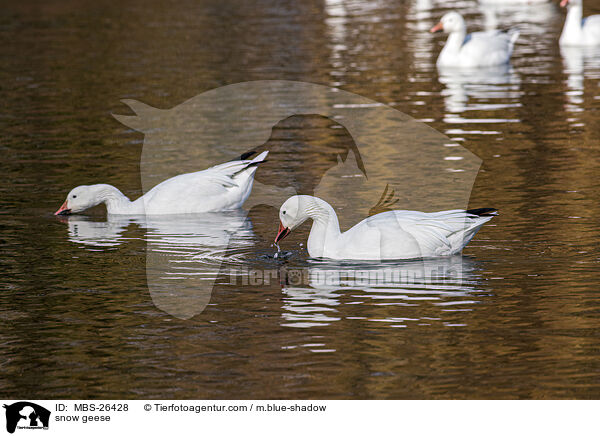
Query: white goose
[
  {"x": 578, "y": 31},
  {"x": 398, "y": 234},
  {"x": 222, "y": 187},
  {"x": 478, "y": 49}
]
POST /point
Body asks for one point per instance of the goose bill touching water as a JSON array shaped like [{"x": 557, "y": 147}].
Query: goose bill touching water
[
  {"x": 219, "y": 188},
  {"x": 397, "y": 234}
]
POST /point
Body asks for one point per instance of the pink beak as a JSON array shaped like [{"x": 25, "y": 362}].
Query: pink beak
[
  {"x": 281, "y": 233},
  {"x": 64, "y": 209},
  {"x": 564, "y": 3},
  {"x": 438, "y": 27}
]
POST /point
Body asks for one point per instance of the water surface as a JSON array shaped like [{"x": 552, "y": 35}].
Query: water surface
[{"x": 516, "y": 318}]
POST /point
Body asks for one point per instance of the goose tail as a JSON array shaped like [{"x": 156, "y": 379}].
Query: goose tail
[
  {"x": 475, "y": 219},
  {"x": 252, "y": 164},
  {"x": 260, "y": 158},
  {"x": 483, "y": 211}
]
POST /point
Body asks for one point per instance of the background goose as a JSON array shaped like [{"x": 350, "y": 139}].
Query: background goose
[
  {"x": 398, "y": 234},
  {"x": 222, "y": 187},
  {"x": 478, "y": 49},
  {"x": 579, "y": 31}
]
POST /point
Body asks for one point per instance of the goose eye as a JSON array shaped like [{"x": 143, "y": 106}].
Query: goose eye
[
  {"x": 283, "y": 212},
  {"x": 74, "y": 196}
]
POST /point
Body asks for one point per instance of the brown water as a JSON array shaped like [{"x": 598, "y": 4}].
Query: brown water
[{"x": 519, "y": 321}]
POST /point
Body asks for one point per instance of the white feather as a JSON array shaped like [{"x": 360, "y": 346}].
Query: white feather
[
  {"x": 398, "y": 234},
  {"x": 219, "y": 188}
]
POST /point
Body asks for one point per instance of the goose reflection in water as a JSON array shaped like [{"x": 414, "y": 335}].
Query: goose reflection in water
[
  {"x": 579, "y": 63},
  {"x": 184, "y": 253},
  {"x": 477, "y": 89},
  {"x": 421, "y": 292}
]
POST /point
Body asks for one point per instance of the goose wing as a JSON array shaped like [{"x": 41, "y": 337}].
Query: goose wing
[
  {"x": 415, "y": 234},
  {"x": 189, "y": 191}
]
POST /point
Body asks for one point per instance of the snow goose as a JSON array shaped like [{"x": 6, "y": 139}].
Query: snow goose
[
  {"x": 219, "y": 188},
  {"x": 478, "y": 49},
  {"x": 578, "y": 31},
  {"x": 397, "y": 234}
]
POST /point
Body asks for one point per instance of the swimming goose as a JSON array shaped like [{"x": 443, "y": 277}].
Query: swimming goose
[
  {"x": 478, "y": 49},
  {"x": 397, "y": 234},
  {"x": 578, "y": 31},
  {"x": 219, "y": 188}
]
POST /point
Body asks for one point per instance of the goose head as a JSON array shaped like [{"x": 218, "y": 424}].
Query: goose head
[
  {"x": 291, "y": 215},
  {"x": 451, "y": 22},
  {"x": 79, "y": 199},
  {"x": 564, "y": 3}
]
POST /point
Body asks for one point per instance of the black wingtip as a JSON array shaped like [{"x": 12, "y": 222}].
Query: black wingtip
[
  {"x": 247, "y": 155},
  {"x": 484, "y": 211},
  {"x": 250, "y": 165},
  {"x": 253, "y": 164}
]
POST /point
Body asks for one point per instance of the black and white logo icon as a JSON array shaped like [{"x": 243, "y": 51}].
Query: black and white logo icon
[{"x": 26, "y": 415}]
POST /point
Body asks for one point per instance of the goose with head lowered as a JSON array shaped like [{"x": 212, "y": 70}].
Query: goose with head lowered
[
  {"x": 219, "y": 188},
  {"x": 579, "y": 31},
  {"x": 397, "y": 234},
  {"x": 478, "y": 49}
]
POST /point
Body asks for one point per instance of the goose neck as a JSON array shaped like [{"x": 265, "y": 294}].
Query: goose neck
[
  {"x": 116, "y": 202},
  {"x": 453, "y": 44},
  {"x": 457, "y": 38},
  {"x": 325, "y": 230},
  {"x": 573, "y": 23}
]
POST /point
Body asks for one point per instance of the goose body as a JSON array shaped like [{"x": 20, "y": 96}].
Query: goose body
[
  {"x": 398, "y": 234},
  {"x": 579, "y": 31},
  {"x": 478, "y": 49},
  {"x": 218, "y": 188}
]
